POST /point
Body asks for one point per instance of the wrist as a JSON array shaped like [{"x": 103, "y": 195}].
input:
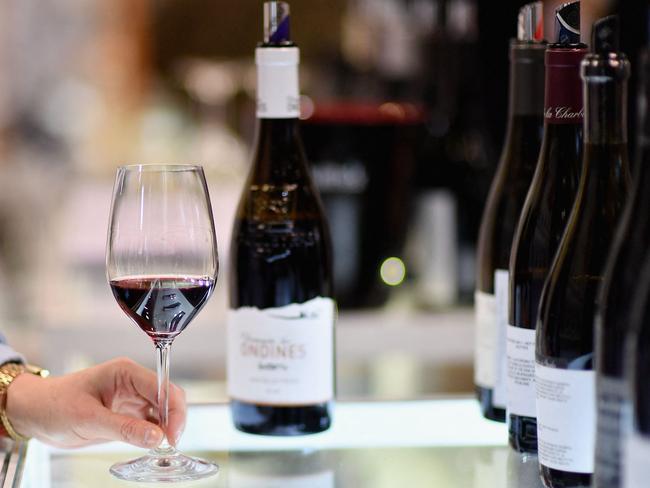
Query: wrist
[{"x": 19, "y": 402}]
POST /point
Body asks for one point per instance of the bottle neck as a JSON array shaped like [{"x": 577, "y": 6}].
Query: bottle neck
[
  {"x": 526, "y": 79},
  {"x": 563, "y": 98},
  {"x": 643, "y": 145},
  {"x": 278, "y": 135},
  {"x": 642, "y": 176},
  {"x": 606, "y": 80},
  {"x": 280, "y": 157}
]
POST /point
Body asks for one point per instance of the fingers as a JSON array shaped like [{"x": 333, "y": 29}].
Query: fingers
[
  {"x": 115, "y": 427},
  {"x": 130, "y": 377},
  {"x": 134, "y": 378}
]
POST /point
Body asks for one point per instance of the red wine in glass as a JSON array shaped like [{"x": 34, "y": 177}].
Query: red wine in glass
[{"x": 162, "y": 306}]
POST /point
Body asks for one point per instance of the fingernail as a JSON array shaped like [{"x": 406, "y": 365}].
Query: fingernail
[{"x": 177, "y": 436}]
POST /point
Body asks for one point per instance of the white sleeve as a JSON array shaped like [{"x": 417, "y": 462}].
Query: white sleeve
[{"x": 7, "y": 354}]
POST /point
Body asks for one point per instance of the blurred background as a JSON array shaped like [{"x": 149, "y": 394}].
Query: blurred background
[{"x": 404, "y": 108}]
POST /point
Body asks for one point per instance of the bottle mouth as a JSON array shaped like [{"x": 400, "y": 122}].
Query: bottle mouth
[
  {"x": 606, "y": 67},
  {"x": 560, "y": 46}
]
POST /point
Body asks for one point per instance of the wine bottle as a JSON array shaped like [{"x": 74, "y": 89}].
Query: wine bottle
[
  {"x": 615, "y": 303},
  {"x": 506, "y": 198},
  {"x": 541, "y": 226},
  {"x": 564, "y": 352},
  {"x": 281, "y": 321}
]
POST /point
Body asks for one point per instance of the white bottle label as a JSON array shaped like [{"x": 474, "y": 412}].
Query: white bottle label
[
  {"x": 282, "y": 356},
  {"x": 636, "y": 468},
  {"x": 521, "y": 372},
  {"x": 485, "y": 340},
  {"x": 566, "y": 418},
  {"x": 501, "y": 294},
  {"x": 277, "y": 82}
]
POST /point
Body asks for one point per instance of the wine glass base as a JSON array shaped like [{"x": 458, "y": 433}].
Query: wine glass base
[{"x": 164, "y": 468}]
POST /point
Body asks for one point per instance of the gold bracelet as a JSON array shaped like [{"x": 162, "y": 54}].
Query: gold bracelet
[
  {"x": 10, "y": 428},
  {"x": 8, "y": 373}
]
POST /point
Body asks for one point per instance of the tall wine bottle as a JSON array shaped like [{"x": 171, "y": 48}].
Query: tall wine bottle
[
  {"x": 543, "y": 221},
  {"x": 506, "y": 198},
  {"x": 615, "y": 305},
  {"x": 565, "y": 334},
  {"x": 281, "y": 321}
]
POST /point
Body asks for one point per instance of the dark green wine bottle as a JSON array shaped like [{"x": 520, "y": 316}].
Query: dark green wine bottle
[
  {"x": 615, "y": 305},
  {"x": 505, "y": 201}
]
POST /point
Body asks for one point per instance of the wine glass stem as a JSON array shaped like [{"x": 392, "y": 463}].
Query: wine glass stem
[{"x": 162, "y": 366}]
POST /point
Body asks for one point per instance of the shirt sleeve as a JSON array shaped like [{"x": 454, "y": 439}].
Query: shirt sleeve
[{"x": 7, "y": 354}]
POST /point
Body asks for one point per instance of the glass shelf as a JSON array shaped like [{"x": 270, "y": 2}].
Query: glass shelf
[{"x": 371, "y": 445}]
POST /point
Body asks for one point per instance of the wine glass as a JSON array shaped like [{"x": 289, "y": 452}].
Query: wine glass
[{"x": 162, "y": 265}]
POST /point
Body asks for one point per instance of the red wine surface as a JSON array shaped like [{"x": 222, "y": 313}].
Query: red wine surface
[{"x": 162, "y": 306}]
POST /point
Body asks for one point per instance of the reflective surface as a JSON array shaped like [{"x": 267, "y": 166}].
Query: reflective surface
[
  {"x": 442, "y": 443},
  {"x": 12, "y": 457}
]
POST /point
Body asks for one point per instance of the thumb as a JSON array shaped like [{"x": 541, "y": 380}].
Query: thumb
[{"x": 116, "y": 427}]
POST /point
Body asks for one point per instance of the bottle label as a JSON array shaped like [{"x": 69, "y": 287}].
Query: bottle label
[
  {"x": 566, "y": 418},
  {"x": 282, "y": 356},
  {"x": 502, "y": 294},
  {"x": 485, "y": 340},
  {"x": 277, "y": 82},
  {"x": 564, "y": 114},
  {"x": 611, "y": 398},
  {"x": 521, "y": 372},
  {"x": 636, "y": 453}
]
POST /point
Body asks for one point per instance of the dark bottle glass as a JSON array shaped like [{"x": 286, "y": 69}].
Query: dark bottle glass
[
  {"x": 615, "y": 303},
  {"x": 637, "y": 372},
  {"x": 280, "y": 327},
  {"x": 564, "y": 372},
  {"x": 540, "y": 229},
  {"x": 504, "y": 204}
]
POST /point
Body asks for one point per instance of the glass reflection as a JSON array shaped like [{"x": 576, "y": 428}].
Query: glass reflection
[
  {"x": 523, "y": 471},
  {"x": 300, "y": 469}
]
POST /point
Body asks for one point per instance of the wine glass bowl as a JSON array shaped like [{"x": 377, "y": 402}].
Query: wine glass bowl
[{"x": 162, "y": 266}]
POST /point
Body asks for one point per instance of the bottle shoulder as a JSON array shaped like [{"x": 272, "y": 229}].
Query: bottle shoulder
[
  {"x": 506, "y": 199},
  {"x": 544, "y": 216}
]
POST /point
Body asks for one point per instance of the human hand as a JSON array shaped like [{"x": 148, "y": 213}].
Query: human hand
[{"x": 113, "y": 401}]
